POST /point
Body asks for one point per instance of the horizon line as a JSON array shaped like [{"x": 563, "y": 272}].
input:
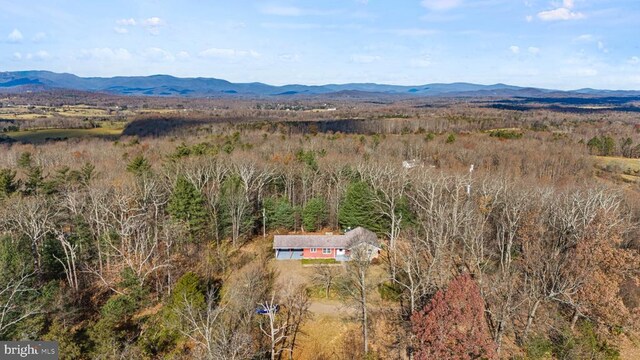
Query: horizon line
[{"x": 329, "y": 83}]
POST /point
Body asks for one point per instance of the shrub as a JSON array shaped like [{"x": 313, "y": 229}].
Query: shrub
[
  {"x": 506, "y": 134},
  {"x": 538, "y": 348},
  {"x": 389, "y": 291},
  {"x": 429, "y": 137}
]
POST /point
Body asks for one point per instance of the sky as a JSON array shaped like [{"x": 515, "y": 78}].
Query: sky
[{"x": 560, "y": 44}]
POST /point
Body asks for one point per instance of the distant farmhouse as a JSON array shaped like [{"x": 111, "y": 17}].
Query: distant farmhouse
[{"x": 328, "y": 246}]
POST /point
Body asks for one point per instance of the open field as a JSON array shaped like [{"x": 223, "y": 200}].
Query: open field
[
  {"x": 57, "y": 134},
  {"x": 24, "y": 112},
  {"x": 627, "y": 169}
]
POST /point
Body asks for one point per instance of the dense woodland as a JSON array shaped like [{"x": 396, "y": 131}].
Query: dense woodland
[{"x": 153, "y": 247}]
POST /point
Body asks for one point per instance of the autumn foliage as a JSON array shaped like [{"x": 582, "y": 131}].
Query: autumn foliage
[{"x": 453, "y": 325}]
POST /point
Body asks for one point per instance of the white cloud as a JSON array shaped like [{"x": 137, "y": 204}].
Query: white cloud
[
  {"x": 282, "y": 10},
  {"x": 155, "y": 54},
  {"x": 153, "y": 25},
  {"x": 41, "y": 55},
  {"x": 121, "y": 30},
  {"x": 602, "y": 47},
  {"x": 39, "y": 37},
  {"x": 153, "y": 21},
  {"x": 441, "y": 4},
  {"x": 584, "y": 38},
  {"x": 126, "y": 22},
  {"x": 289, "y": 57},
  {"x": 15, "y": 36},
  {"x": 365, "y": 59},
  {"x": 529, "y": 18},
  {"x": 563, "y": 12},
  {"x": 37, "y": 56},
  {"x": 183, "y": 55},
  {"x": 514, "y": 49},
  {"x": 634, "y": 60},
  {"x": 228, "y": 53},
  {"x": 533, "y": 50},
  {"x": 106, "y": 54}
]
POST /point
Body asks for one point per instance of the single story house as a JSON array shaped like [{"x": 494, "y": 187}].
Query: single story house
[{"x": 328, "y": 246}]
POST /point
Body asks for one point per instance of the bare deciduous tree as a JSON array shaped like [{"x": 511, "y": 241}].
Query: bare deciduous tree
[
  {"x": 33, "y": 218},
  {"x": 13, "y": 306},
  {"x": 356, "y": 287},
  {"x": 325, "y": 276}
]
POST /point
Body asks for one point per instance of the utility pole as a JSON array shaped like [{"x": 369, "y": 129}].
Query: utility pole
[{"x": 264, "y": 223}]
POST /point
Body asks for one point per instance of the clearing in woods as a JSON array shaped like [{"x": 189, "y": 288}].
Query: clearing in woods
[
  {"x": 331, "y": 319},
  {"x": 627, "y": 169}
]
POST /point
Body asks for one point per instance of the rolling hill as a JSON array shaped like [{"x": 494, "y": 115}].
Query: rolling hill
[{"x": 166, "y": 85}]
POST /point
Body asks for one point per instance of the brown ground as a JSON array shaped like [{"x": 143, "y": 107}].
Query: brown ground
[{"x": 330, "y": 318}]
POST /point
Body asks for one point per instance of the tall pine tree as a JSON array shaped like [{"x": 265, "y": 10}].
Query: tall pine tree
[
  {"x": 358, "y": 209},
  {"x": 187, "y": 205},
  {"x": 314, "y": 214},
  {"x": 280, "y": 213},
  {"x": 8, "y": 184}
]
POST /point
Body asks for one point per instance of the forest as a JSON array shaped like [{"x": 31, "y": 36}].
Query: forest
[{"x": 513, "y": 234}]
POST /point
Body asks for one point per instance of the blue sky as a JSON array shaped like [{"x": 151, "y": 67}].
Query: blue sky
[{"x": 563, "y": 44}]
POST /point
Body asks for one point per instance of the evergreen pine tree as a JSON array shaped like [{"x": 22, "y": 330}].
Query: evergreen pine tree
[
  {"x": 187, "y": 204},
  {"x": 25, "y": 160},
  {"x": 314, "y": 214},
  {"x": 34, "y": 180},
  {"x": 358, "y": 209},
  {"x": 280, "y": 213},
  {"x": 8, "y": 184},
  {"x": 139, "y": 166}
]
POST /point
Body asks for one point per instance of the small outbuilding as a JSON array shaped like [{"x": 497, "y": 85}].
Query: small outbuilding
[{"x": 328, "y": 246}]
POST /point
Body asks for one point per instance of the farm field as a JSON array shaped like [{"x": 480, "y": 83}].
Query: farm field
[
  {"x": 58, "y": 134},
  {"x": 24, "y": 112}
]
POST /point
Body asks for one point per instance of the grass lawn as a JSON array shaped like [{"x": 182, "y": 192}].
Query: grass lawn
[
  {"x": 319, "y": 261},
  {"x": 43, "y": 135}
]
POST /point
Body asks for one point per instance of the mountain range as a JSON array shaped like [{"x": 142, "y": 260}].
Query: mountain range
[{"x": 166, "y": 85}]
